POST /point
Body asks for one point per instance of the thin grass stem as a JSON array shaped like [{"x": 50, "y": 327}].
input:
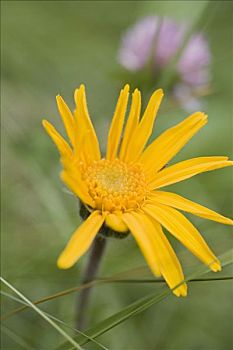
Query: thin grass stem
[{"x": 43, "y": 315}]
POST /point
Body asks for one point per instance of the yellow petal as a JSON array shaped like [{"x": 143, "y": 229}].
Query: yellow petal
[
  {"x": 144, "y": 239},
  {"x": 77, "y": 186},
  {"x": 186, "y": 169},
  {"x": 61, "y": 144},
  {"x": 67, "y": 118},
  {"x": 115, "y": 130},
  {"x": 170, "y": 142},
  {"x": 184, "y": 231},
  {"x": 132, "y": 122},
  {"x": 84, "y": 123},
  {"x": 115, "y": 222},
  {"x": 85, "y": 148},
  {"x": 168, "y": 262},
  {"x": 179, "y": 202},
  {"x": 80, "y": 241},
  {"x": 144, "y": 128}
]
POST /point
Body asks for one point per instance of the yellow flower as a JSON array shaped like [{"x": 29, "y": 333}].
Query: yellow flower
[{"x": 122, "y": 189}]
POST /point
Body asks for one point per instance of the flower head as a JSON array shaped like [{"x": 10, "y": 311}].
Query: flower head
[
  {"x": 122, "y": 190},
  {"x": 157, "y": 40},
  {"x": 137, "y": 44}
]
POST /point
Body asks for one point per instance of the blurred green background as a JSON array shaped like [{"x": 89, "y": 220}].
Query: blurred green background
[{"x": 50, "y": 47}]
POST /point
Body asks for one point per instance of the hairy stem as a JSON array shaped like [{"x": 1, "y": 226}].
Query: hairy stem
[{"x": 97, "y": 252}]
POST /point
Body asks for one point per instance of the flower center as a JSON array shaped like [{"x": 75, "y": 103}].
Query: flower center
[{"x": 115, "y": 185}]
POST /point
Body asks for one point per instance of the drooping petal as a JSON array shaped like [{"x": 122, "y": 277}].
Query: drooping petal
[
  {"x": 67, "y": 118},
  {"x": 116, "y": 127},
  {"x": 144, "y": 128},
  {"x": 84, "y": 123},
  {"x": 61, "y": 144},
  {"x": 186, "y": 169},
  {"x": 115, "y": 222},
  {"x": 168, "y": 262},
  {"x": 179, "y": 202},
  {"x": 184, "y": 231},
  {"x": 132, "y": 122},
  {"x": 77, "y": 186},
  {"x": 81, "y": 240},
  {"x": 144, "y": 239},
  {"x": 170, "y": 142}
]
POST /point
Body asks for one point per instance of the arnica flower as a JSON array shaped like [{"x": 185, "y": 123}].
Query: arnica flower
[
  {"x": 156, "y": 40},
  {"x": 122, "y": 190}
]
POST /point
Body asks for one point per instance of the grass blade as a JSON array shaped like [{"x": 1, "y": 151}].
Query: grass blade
[
  {"x": 152, "y": 280},
  {"x": 12, "y": 297},
  {"x": 78, "y": 289},
  {"x": 16, "y": 338},
  {"x": 43, "y": 315}
]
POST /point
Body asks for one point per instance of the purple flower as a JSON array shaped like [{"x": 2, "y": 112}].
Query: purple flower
[
  {"x": 156, "y": 40},
  {"x": 169, "y": 39},
  {"x": 187, "y": 97},
  {"x": 193, "y": 65},
  {"x": 137, "y": 44}
]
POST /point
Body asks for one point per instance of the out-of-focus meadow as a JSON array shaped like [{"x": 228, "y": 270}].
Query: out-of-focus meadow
[{"x": 50, "y": 47}]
